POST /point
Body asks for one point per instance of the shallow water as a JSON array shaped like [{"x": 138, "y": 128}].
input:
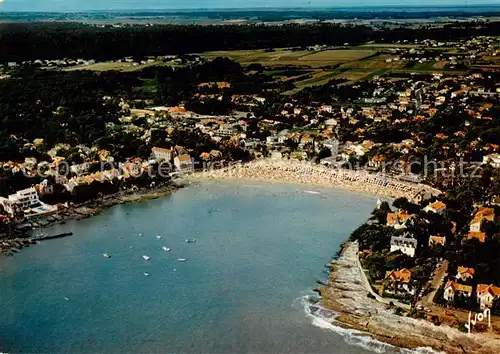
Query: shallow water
[{"x": 259, "y": 250}]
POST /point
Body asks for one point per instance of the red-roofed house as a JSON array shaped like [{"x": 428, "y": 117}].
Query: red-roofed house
[
  {"x": 398, "y": 220},
  {"x": 398, "y": 281},
  {"x": 437, "y": 240},
  {"x": 464, "y": 273},
  {"x": 481, "y": 236},
  {"x": 452, "y": 289},
  {"x": 437, "y": 207},
  {"x": 486, "y": 294}
]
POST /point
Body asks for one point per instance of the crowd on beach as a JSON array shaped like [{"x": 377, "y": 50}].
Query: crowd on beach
[{"x": 294, "y": 171}]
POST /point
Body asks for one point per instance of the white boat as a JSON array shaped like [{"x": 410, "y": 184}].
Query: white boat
[
  {"x": 190, "y": 241},
  {"x": 158, "y": 237},
  {"x": 146, "y": 258},
  {"x": 181, "y": 259},
  {"x": 146, "y": 274},
  {"x": 106, "y": 255},
  {"x": 166, "y": 249},
  {"x": 140, "y": 235}
]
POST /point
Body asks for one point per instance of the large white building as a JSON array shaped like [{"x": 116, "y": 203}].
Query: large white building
[
  {"x": 406, "y": 244},
  {"x": 21, "y": 200}
]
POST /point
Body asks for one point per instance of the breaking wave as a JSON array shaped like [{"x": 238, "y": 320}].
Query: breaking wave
[
  {"x": 322, "y": 317},
  {"x": 311, "y": 192}
]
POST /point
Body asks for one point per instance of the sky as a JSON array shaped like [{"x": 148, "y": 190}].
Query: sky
[{"x": 85, "y": 5}]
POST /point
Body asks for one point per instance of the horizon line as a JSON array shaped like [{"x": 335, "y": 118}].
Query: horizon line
[{"x": 274, "y": 8}]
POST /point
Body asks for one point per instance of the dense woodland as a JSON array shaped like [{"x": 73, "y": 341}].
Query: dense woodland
[{"x": 30, "y": 41}]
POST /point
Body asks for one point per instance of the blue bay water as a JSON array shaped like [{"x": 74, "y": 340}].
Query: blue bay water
[{"x": 259, "y": 249}]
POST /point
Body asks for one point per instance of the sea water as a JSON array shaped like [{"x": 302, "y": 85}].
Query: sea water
[{"x": 259, "y": 250}]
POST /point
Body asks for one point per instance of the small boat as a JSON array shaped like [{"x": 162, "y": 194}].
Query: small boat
[
  {"x": 190, "y": 240},
  {"x": 146, "y": 274},
  {"x": 66, "y": 298},
  {"x": 146, "y": 258},
  {"x": 158, "y": 237},
  {"x": 106, "y": 255},
  {"x": 166, "y": 249},
  {"x": 181, "y": 259},
  {"x": 140, "y": 235}
]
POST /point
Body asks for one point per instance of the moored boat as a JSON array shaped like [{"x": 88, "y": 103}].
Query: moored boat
[
  {"x": 106, "y": 255},
  {"x": 146, "y": 258},
  {"x": 166, "y": 249}
]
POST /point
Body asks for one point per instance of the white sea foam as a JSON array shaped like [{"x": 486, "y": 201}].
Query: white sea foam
[
  {"x": 311, "y": 192},
  {"x": 322, "y": 317},
  {"x": 253, "y": 185}
]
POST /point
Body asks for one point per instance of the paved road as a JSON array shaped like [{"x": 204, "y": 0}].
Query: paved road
[
  {"x": 435, "y": 284},
  {"x": 368, "y": 287}
]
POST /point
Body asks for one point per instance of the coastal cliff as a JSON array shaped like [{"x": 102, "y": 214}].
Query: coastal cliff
[{"x": 347, "y": 294}]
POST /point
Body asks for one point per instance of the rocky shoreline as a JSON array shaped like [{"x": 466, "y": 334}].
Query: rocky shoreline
[
  {"x": 346, "y": 294},
  {"x": 10, "y": 244}
]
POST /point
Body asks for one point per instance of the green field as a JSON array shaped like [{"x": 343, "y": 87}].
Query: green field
[
  {"x": 111, "y": 65},
  {"x": 282, "y": 57},
  {"x": 387, "y": 45}
]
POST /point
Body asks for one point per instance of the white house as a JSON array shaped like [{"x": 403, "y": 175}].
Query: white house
[
  {"x": 161, "y": 154},
  {"x": 272, "y": 139},
  {"x": 80, "y": 169},
  {"x": 406, "y": 244},
  {"x": 184, "y": 163},
  {"x": 331, "y": 122},
  {"x": 326, "y": 108},
  {"x": 493, "y": 159},
  {"x": 282, "y": 136},
  {"x": 486, "y": 294}
]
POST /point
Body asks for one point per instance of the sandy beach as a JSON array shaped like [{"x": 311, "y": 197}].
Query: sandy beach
[
  {"x": 297, "y": 172},
  {"x": 346, "y": 294}
]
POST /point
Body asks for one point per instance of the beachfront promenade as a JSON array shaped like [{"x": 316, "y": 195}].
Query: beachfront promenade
[{"x": 304, "y": 172}]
